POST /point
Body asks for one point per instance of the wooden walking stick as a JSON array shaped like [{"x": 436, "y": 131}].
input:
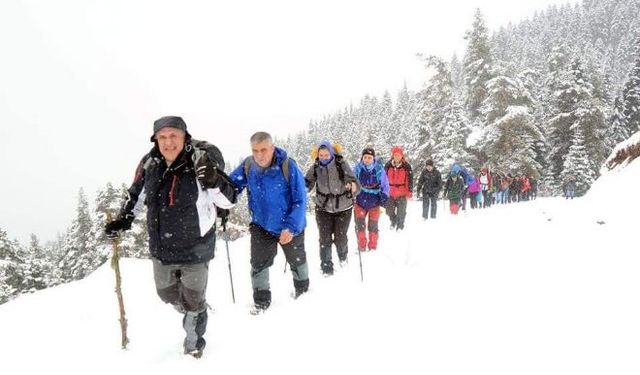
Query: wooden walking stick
[{"x": 115, "y": 264}]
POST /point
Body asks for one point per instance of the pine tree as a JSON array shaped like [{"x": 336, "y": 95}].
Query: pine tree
[
  {"x": 631, "y": 96},
  {"x": 38, "y": 268},
  {"x": 477, "y": 66},
  {"x": 618, "y": 130},
  {"x": 576, "y": 107},
  {"x": 385, "y": 134},
  {"x": 452, "y": 138},
  {"x": 11, "y": 268},
  {"x": 510, "y": 137},
  {"x": 577, "y": 163},
  {"x": 405, "y": 120},
  {"x": 81, "y": 256}
]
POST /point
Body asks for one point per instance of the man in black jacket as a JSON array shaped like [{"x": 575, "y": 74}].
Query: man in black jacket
[
  {"x": 182, "y": 183},
  {"x": 429, "y": 186}
]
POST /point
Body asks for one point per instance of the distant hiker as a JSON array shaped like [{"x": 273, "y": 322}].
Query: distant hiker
[
  {"x": 429, "y": 185},
  {"x": 453, "y": 190},
  {"x": 277, "y": 199},
  {"x": 533, "y": 193},
  {"x": 182, "y": 182},
  {"x": 373, "y": 194},
  {"x": 400, "y": 178},
  {"x": 486, "y": 186},
  {"x": 335, "y": 185},
  {"x": 475, "y": 195},
  {"x": 569, "y": 187}
]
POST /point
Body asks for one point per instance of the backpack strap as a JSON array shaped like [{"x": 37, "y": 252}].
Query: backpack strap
[{"x": 285, "y": 168}]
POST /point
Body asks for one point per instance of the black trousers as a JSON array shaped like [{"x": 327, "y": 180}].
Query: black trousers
[
  {"x": 264, "y": 247},
  {"x": 397, "y": 210},
  {"x": 332, "y": 229},
  {"x": 429, "y": 200}
]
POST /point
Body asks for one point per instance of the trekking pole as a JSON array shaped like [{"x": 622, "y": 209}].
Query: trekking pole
[
  {"x": 226, "y": 242},
  {"x": 360, "y": 259},
  {"x": 115, "y": 264}
]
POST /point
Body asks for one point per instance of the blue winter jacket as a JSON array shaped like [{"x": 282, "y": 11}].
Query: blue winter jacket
[
  {"x": 275, "y": 204},
  {"x": 374, "y": 185}
]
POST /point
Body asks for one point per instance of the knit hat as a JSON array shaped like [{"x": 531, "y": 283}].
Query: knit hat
[
  {"x": 397, "y": 150},
  {"x": 429, "y": 162},
  {"x": 169, "y": 121},
  {"x": 369, "y": 151}
]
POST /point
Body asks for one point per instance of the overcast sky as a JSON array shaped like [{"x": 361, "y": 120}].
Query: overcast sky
[{"x": 82, "y": 81}]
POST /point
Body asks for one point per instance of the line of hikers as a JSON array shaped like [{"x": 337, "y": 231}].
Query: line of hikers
[{"x": 182, "y": 183}]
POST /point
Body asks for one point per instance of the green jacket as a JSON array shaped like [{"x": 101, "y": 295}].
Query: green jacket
[{"x": 453, "y": 189}]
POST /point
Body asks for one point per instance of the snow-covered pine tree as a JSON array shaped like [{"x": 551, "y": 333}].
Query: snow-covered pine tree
[
  {"x": 577, "y": 163},
  {"x": 442, "y": 128},
  {"x": 405, "y": 120},
  {"x": 618, "y": 130},
  {"x": 457, "y": 76},
  {"x": 385, "y": 133},
  {"x": 11, "y": 268},
  {"x": 531, "y": 79},
  {"x": 509, "y": 138},
  {"x": 38, "y": 267},
  {"x": 477, "y": 66},
  {"x": 452, "y": 138},
  {"x": 558, "y": 104},
  {"x": 631, "y": 95},
  {"x": 577, "y": 107},
  {"x": 80, "y": 253}
]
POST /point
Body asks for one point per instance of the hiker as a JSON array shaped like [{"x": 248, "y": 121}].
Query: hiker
[
  {"x": 429, "y": 185},
  {"x": 277, "y": 200},
  {"x": 374, "y": 192},
  {"x": 180, "y": 180},
  {"x": 400, "y": 178},
  {"x": 335, "y": 186}
]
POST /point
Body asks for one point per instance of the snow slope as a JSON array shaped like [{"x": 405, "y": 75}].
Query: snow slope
[{"x": 529, "y": 288}]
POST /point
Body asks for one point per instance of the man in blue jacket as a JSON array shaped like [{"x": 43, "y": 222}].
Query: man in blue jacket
[{"x": 277, "y": 200}]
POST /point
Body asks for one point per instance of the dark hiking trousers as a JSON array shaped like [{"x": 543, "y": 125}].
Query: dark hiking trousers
[
  {"x": 264, "y": 247},
  {"x": 332, "y": 229},
  {"x": 429, "y": 200},
  {"x": 185, "y": 286},
  {"x": 397, "y": 210}
]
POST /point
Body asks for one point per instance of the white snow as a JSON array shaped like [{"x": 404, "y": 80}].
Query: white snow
[{"x": 529, "y": 288}]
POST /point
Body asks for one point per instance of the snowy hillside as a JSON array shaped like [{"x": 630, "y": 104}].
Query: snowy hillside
[{"x": 528, "y": 288}]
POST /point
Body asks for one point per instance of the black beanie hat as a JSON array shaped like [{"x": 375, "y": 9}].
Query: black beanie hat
[
  {"x": 369, "y": 151},
  {"x": 171, "y": 121},
  {"x": 429, "y": 162}
]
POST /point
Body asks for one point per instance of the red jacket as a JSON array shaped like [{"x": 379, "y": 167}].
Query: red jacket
[{"x": 400, "y": 179}]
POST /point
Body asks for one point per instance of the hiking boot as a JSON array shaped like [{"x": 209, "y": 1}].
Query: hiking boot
[
  {"x": 258, "y": 308},
  {"x": 302, "y": 286},
  {"x": 327, "y": 268},
  {"x": 195, "y": 324},
  {"x": 344, "y": 263}
]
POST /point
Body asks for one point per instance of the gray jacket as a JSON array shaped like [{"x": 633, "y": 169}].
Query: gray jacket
[{"x": 331, "y": 194}]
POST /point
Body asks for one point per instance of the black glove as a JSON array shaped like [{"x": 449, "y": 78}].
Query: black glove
[
  {"x": 223, "y": 214},
  {"x": 207, "y": 172},
  {"x": 113, "y": 228}
]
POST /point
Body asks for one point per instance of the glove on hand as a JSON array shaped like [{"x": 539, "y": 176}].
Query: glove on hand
[
  {"x": 113, "y": 228},
  {"x": 207, "y": 172},
  {"x": 223, "y": 214}
]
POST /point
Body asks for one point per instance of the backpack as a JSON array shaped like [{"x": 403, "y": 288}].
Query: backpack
[
  {"x": 337, "y": 148},
  {"x": 284, "y": 168},
  {"x": 379, "y": 169}
]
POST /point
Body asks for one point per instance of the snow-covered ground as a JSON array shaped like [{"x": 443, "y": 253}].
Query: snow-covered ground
[{"x": 530, "y": 288}]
